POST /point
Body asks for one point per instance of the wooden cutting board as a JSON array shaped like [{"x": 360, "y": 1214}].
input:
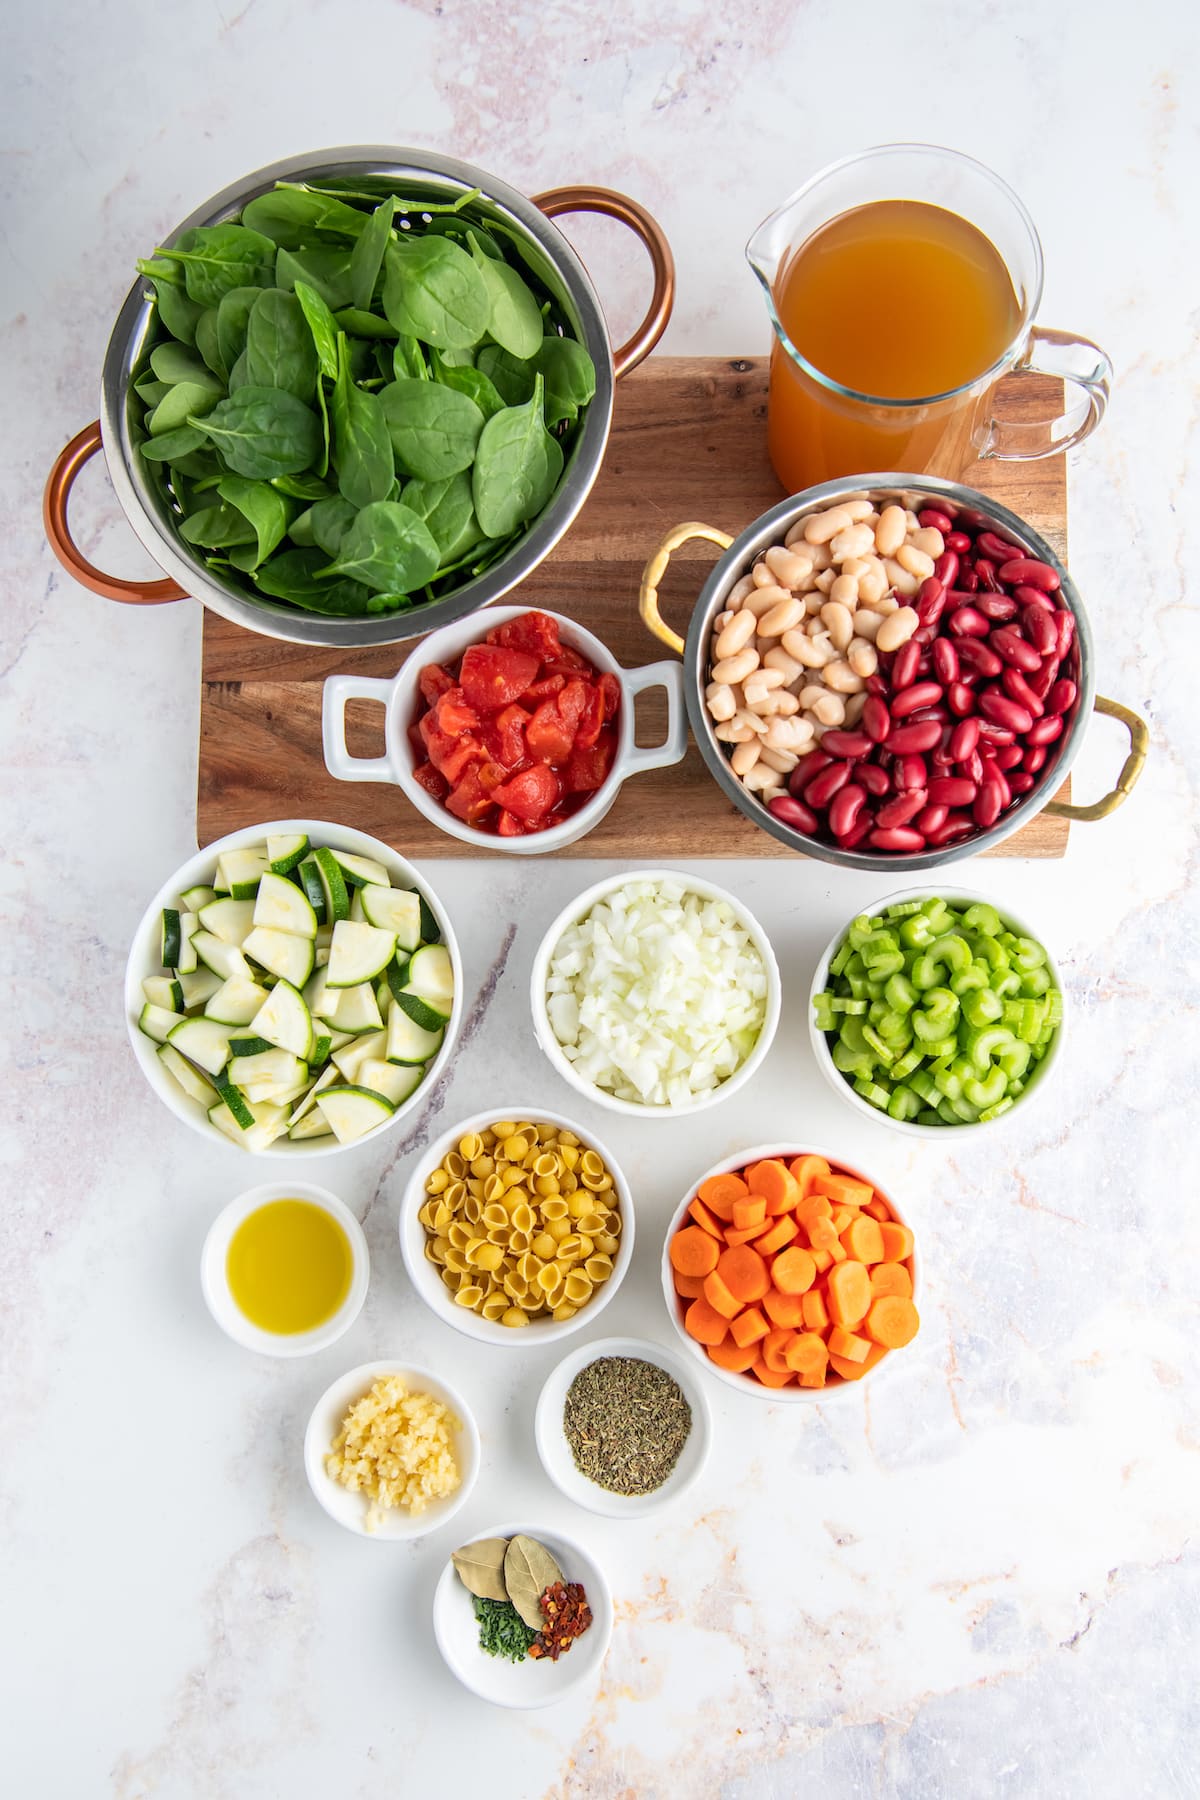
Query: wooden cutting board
[{"x": 688, "y": 442}]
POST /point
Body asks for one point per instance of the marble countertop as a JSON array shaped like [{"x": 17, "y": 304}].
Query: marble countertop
[{"x": 980, "y": 1580}]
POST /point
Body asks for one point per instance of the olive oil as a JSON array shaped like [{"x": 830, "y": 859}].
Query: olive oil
[{"x": 289, "y": 1266}]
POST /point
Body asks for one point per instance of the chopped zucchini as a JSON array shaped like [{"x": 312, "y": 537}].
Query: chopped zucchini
[
  {"x": 393, "y": 1082},
  {"x": 282, "y": 952},
  {"x": 282, "y": 906},
  {"x": 236, "y": 1001},
  {"x": 358, "y": 953},
  {"x": 223, "y": 959},
  {"x": 408, "y": 1042},
  {"x": 203, "y": 1041},
  {"x": 333, "y": 886},
  {"x": 357, "y": 870},
  {"x": 284, "y": 1019},
  {"x": 285, "y": 852},
  {"x": 165, "y": 991},
  {"x": 240, "y": 871},
  {"x": 397, "y": 910},
  {"x": 158, "y": 1022},
  {"x": 195, "y": 1085},
  {"x": 230, "y": 920},
  {"x": 353, "y": 1111}
]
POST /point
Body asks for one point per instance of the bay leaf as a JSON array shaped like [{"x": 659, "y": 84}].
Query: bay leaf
[
  {"x": 480, "y": 1568},
  {"x": 529, "y": 1569}
]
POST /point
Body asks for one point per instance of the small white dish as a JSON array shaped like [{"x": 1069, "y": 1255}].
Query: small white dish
[
  {"x": 426, "y": 1277},
  {"x": 527, "y": 1684},
  {"x": 350, "y": 1509},
  {"x": 837, "y": 1392},
  {"x": 214, "y": 1276},
  {"x": 579, "y": 909},
  {"x": 555, "y": 1452},
  {"x": 946, "y": 1134},
  {"x": 400, "y": 697}
]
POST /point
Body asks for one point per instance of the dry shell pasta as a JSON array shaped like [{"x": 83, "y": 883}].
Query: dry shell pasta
[{"x": 523, "y": 1221}]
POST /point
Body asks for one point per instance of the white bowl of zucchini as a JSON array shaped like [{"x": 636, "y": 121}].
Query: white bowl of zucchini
[{"x": 293, "y": 988}]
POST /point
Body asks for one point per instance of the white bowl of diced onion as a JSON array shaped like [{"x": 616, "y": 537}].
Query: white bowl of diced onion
[
  {"x": 719, "y": 995},
  {"x": 192, "y": 1089}
]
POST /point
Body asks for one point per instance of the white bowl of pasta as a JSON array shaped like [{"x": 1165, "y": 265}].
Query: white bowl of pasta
[{"x": 517, "y": 1237}]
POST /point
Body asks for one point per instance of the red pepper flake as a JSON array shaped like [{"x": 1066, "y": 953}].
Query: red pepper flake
[{"x": 567, "y": 1615}]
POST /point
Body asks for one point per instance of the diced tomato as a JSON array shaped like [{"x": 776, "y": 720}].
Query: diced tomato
[
  {"x": 493, "y": 676},
  {"x": 431, "y": 781},
  {"x": 534, "y": 632},
  {"x": 551, "y": 731},
  {"x": 589, "y": 765},
  {"x": 454, "y": 714},
  {"x": 504, "y": 736},
  {"x": 568, "y": 662},
  {"x": 492, "y": 775},
  {"x": 588, "y": 729},
  {"x": 510, "y": 826},
  {"x": 450, "y": 755},
  {"x": 433, "y": 682},
  {"x": 469, "y": 800},
  {"x": 610, "y": 687},
  {"x": 530, "y": 793}
]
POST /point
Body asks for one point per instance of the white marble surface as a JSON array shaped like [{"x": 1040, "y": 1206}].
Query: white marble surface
[{"x": 980, "y": 1583}]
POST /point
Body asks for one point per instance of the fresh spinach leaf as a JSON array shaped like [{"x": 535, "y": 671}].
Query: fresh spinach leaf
[
  {"x": 183, "y": 404},
  {"x": 388, "y": 548},
  {"x": 364, "y": 324},
  {"x": 433, "y": 429},
  {"x": 208, "y": 344},
  {"x": 262, "y": 432},
  {"x": 300, "y": 531},
  {"x": 289, "y": 215},
  {"x": 322, "y": 463},
  {"x": 432, "y": 290},
  {"x": 511, "y": 378},
  {"x": 515, "y": 319},
  {"x": 290, "y": 575},
  {"x": 324, "y": 267},
  {"x": 448, "y": 510},
  {"x": 151, "y": 391},
  {"x": 570, "y": 377},
  {"x": 471, "y": 382},
  {"x": 362, "y": 449},
  {"x": 218, "y": 258},
  {"x": 263, "y": 507},
  {"x": 321, "y": 325},
  {"x": 177, "y": 313},
  {"x": 233, "y": 316},
  {"x": 408, "y": 360},
  {"x": 301, "y": 487},
  {"x": 331, "y": 519},
  {"x": 173, "y": 363},
  {"x": 366, "y": 259},
  {"x": 172, "y": 446},
  {"x": 280, "y": 352},
  {"x": 517, "y": 467},
  {"x": 215, "y": 526}
]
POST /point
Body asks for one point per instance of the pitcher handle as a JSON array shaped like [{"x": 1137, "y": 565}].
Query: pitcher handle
[
  {"x": 656, "y": 568},
  {"x": 67, "y": 464},
  {"x": 648, "y": 229},
  {"x": 1075, "y": 360}
]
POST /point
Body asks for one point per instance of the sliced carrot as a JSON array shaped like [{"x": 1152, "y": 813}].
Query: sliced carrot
[
  {"x": 693, "y": 1252},
  {"x": 821, "y": 1234},
  {"x": 751, "y": 1211},
  {"x": 814, "y": 1311},
  {"x": 891, "y": 1278},
  {"x": 864, "y": 1240},
  {"x": 775, "y": 1347},
  {"x": 689, "y": 1286},
  {"x": 793, "y": 1271},
  {"x": 719, "y": 1296},
  {"x": 822, "y": 1260},
  {"x": 705, "y": 1220},
  {"x": 892, "y": 1322},
  {"x": 779, "y": 1233},
  {"x": 843, "y": 1216},
  {"x": 784, "y": 1310},
  {"x": 878, "y": 1209},
  {"x": 845, "y": 1190},
  {"x": 848, "y": 1294},
  {"x": 735, "y": 1357},
  {"x": 744, "y": 1273},
  {"x": 807, "y": 1169},
  {"x": 837, "y": 1250},
  {"x": 813, "y": 1206},
  {"x": 897, "y": 1241},
  {"x": 848, "y": 1346},
  {"x": 749, "y": 1327},
  {"x": 773, "y": 1378},
  {"x": 719, "y": 1193},
  {"x": 779, "y": 1190},
  {"x": 807, "y": 1355},
  {"x": 852, "y": 1371},
  {"x": 706, "y": 1326},
  {"x": 733, "y": 1237}
]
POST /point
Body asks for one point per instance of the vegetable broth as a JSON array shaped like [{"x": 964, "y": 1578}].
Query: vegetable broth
[{"x": 289, "y": 1266}]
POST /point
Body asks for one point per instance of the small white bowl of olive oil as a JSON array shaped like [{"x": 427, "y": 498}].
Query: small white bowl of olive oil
[{"x": 284, "y": 1269}]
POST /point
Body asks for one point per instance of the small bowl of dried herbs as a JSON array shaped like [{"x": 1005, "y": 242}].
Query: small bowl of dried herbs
[
  {"x": 623, "y": 1427},
  {"x": 522, "y": 1618}
]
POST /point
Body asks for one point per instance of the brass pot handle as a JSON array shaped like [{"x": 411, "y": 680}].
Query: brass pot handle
[
  {"x": 647, "y": 228},
  {"x": 656, "y": 568},
  {"x": 67, "y": 465},
  {"x": 1135, "y": 762}
]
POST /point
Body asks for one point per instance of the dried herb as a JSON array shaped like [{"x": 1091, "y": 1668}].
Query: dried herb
[
  {"x": 480, "y": 1568},
  {"x": 529, "y": 1569},
  {"x": 627, "y": 1422},
  {"x": 502, "y": 1632},
  {"x": 567, "y": 1615}
]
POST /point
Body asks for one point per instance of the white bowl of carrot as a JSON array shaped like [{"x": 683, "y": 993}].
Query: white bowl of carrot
[{"x": 791, "y": 1275}]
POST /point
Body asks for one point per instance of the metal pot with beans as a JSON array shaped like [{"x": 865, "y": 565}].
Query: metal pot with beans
[{"x": 896, "y": 670}]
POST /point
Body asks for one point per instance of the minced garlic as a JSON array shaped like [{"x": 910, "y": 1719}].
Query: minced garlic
[{"x": 394, "y": 1446}]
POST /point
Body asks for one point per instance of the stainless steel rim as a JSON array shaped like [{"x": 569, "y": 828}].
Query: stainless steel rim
[
  {"x": 769, "y": 529},
  {"x": 148, "y": 512}
]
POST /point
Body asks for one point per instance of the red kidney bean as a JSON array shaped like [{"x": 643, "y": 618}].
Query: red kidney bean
[
  {"x": 1035, "y": 759},
  {"x": 931, "y": 601},
  {"x": 929, "y": 818},
  {"x": 877, "y": 684},
  {"x": 910, "y": 773},
  {"x": 941, "y": 759},
  {"x": 931, "y": 518},
  {"x": 1065, "y": 625},
  {"x": 1061, "y": 697},
  {"x": 1018, "y": 689},
  {"x": 956, "y": 825},
  {"x": 1012, "y": 647},
  {"x": 874, "y": 778},
  {"x": 991, "y": 734},
  {"x": 876, "y": 720},
  {"x": 895, "y": 837},
  {"x": 981, "y": 657},
  {"x": 989, "y": 581},
  {"x": 952, "y": 790},
  {"x": 964, "y": 738},
  {"x": 945, "y": 567},
  {"x": 1003, "y": 711},
  {"x": 845, "y": 807},
  {"x": 968, "y": 581},
  {"x": 793, "y": 812},
  {"x": 924, "y": 636},
  {"x": 945, "y": 661},
  {"x": 996, "y": 607},
  {"x": 912, "y": 738},
  {"x": 904, "y": 665},
  {"x": 992, "y": 772},
  {"x": 1031, "y": 596},
  {"x": 1020, "y": 783},
  {"x": 848, "y": 743},
  {"x": 958, "y": 541},
  {"x": 939, "y": 713},
  {"x": 866, "y": 822},
  {"x": 989, "y": 802},
  {"x": 1026, "y": 571},
  {"x": 1008, "y": 756},
  {"x": 971, "y": 767},
  {"x": 912, "y": 699},
  {"x": 820, "y": 792},
  {"x": 900, "y": 810},
  {"x": 996, "y": 547},
  {"x": 960, "y": 699},
  {"x": 807, "y": 769},
  {"x": 968, "y": 621},
  {"x": 1040, "y": 629},
  {"x": 1047, "y": 730}
]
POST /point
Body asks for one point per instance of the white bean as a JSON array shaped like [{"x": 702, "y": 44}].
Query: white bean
[
  {"x": 895, "y": 630},
  {"x": 872, "y": 586},
  {"x": 787, "y": 665},
  {"x": 854, "y": 709},
  {"x": 902, "y": 581},
  {"x": 735, "y": 636},
  {"x": 759, "y": 779},
  {"x": 721, "y": 701},
  {"x": 789, "y": 569},
  {"x": 744, "y": 716},
  {"x": 890, "y": 531},
  {"x": 820, "y": 527},
  {"x": 821, "y": 557},
  {"x": 825, "y": 580},
  {"x": 764, "y": 598},
  {"x": 929, "y": 539},
  {"x": 759, "y": 685},
  {"x": 721, "y": 621},
  {"x": 857, "y": 565},
  {"x": 730, "y": 732},
  {"x": 841, "y": 678},
  {"x": 761, "y": 576},
  {"x": 732, "y": 669},
  {"x": 782, "y": 761},
  {"x": 862, "y": 657},
  {"x": 788, "y": 734},
  {"x": 781, "y": 618},
  {"x": 745, "y": 757},
  {"x": 867, "y": 623},
  {"x": 856, "y": 540},
  {"x": 915, "y": 561},
  {"x": 830, "y": 709},
  {"x": 837, "y": 621},
  {"x": 806, "y": 650},
  {"x": 887, "y": 604},
  {"x": 859, "y": 510},
  {"x": 738, "y": 592},
  {"x": 845, "y": 590}
]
